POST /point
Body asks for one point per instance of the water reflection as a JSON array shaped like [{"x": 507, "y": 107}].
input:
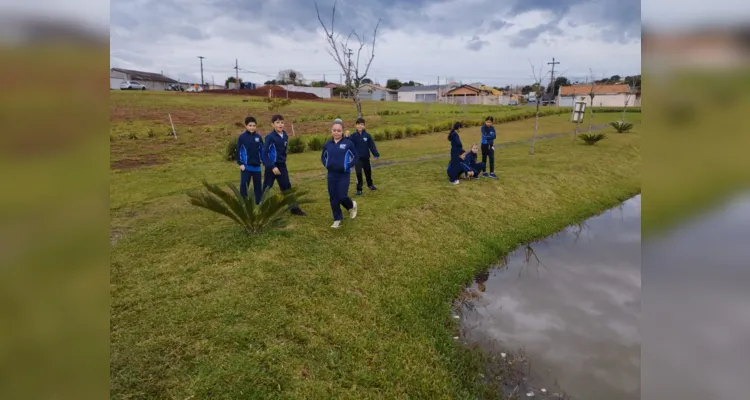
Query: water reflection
[
  {"x": 572, "y": 302},
  {"x": 696, "y": 314}
]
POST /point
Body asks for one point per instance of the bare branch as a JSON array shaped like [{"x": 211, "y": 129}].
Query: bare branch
[{"x": 372, "y": 53}]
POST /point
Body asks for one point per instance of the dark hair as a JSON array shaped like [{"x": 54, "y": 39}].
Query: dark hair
[
  {"x": 462, "y": 151},
  {"x": 249, "y": 120},
  {"x": 457, "y": 125},
  {"x": 276, "y": 117},
  {"x": 489, "y": 118},
  {"x": 360, "y": 121}
]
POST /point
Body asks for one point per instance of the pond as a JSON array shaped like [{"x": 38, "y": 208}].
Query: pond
[{"x": 565, "y": 310}]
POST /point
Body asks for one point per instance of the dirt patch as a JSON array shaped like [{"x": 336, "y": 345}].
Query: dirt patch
[
  {"x": 263, "y": 91},
  {"x": 141, "y": 161}
]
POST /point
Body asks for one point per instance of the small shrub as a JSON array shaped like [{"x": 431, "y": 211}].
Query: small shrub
[
  {"x": 239, "y": 124},
  {"x": 230, "y": 153},
  {"x": 151, "y": 133},
  {"x": 296, "y": 145},
  {"x": 207, "y": 130},
  {"x": 388, "y": 134},
  {"x": 315, "y": 143},
  {"x": 420, "y": 130},
  {"x": 189, "y": 130},
  {"x": 254, "y": 219},
  {"x": 408, "y": 131},
  {"x": 430, "y": 128},
  {"x": 379, "y": 136},
  {"x": 398, "y": 133},
  {"x": 591, "y": 138},
  {"x": 132, "y": 136},
  {"x": 622, "y": 126}
]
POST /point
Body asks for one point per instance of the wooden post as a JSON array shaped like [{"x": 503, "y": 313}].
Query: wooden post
[{"x": 171, "y": 123}]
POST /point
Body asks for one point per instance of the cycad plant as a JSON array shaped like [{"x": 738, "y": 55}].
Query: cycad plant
[
  {"x": 622, "y": 126},
  {"x": 254, "y": 219},
  {"x": 592, "y": 138}
]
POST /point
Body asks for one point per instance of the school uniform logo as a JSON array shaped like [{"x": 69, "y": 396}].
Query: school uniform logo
[
  {"x": 365, "y": 139},
  {"x": 342, "y": 146},
  {"x": 257, "y": 140}
]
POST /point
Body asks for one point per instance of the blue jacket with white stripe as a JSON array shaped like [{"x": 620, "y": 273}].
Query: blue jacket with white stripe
[
  {"x": 274, "y": 150},
  {"x": 488, "y": 135},
  {"x": 339, "y": 157},
  {"x": 249, "y": 149}
]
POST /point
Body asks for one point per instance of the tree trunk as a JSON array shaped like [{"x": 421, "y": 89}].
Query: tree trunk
[
  {"x": 591, "y": 114},
  {"x": 536, "y": 128},
  {"x": 357, "y": 103}
]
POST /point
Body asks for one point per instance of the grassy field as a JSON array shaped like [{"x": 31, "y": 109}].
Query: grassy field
[{"x": 200, "y": 309}]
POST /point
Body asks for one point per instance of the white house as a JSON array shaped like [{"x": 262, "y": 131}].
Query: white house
[
  {"x": 617, "y": 95},
  {"x": 371, "y": 91},
  {"x": 151, "y": 80},
  {"x": 422, "y": 94}
]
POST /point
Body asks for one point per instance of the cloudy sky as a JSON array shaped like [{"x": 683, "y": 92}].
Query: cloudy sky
[{"x": 420, "y": 40}]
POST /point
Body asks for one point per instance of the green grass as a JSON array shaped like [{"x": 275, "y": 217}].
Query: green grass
[{"x": 200, "y": 309}]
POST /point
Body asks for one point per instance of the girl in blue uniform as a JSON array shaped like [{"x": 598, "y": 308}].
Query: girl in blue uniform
[{"x": 339, "y": 156}]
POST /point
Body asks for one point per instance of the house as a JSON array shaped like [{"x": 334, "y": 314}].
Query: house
[
  {"x": 423, "y": 93},
  {"x": 616, "y": 95},
  {"x": 467, "y": 94},
  {"x": 151, "y": 80},
  {"x": 371, "y": 91},
  {"x": 331, "y": 86}
]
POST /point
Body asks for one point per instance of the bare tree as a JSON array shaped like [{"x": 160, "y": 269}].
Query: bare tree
[
  {"x": 348, "y": 59},
  {"x": 592, "y": 94},
  {"x": 538, "y": 78},
  {"x": 289, "y": 76},
  {"x": 631, "y": 92}
]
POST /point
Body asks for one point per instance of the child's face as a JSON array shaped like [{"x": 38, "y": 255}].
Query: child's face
[
  {"x": 463, "y": 156},
  {"x": 278, "y": 125},
  {"x": 474, "y": 149},
  {"x": 488, "y": 123},
  {"x": 337, "y": 131},
  {"x": 250, "y": 127},
  {"x": 360, "y": 127}
]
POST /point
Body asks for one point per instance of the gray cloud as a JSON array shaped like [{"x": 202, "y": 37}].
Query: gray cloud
[
  {"x": 527, "y": 36},
  {"x": 476, "y": 44}
]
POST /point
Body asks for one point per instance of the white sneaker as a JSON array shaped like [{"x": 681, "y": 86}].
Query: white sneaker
[
  {"x": 353, "y": 211},
  {"x": 336, "y": 225},
  {"x": 456, "y": 182}
]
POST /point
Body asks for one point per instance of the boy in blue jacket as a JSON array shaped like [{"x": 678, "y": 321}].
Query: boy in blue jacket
[
  {"x": 339, "y": 156},
  {"x": 488, "y": 147},
  {"x": 249, "y": 146},
  {"x": 365, "y": 145},
  {"x": 274, "y": 159},
  {"x": 457, "y": 166},
  {"x": 471, "y": 161}
]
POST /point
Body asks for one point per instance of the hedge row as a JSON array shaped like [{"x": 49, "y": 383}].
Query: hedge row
[{"x": 298, "y": 144}]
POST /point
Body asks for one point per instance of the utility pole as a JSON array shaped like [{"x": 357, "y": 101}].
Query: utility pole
[
  {"x": 237, "y": 75},
  {"x": 201, "y": 57},
  {"x": 438, "y": 90},
  {"x": 552, "y": 74}
]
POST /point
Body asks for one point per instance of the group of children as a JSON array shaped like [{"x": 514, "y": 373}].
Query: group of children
[
  {"x": 340, "y": 154},
  {"x": 465, "y": 163}
]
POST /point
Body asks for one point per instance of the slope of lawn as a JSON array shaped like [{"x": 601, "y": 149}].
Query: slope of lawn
[{"x": 200, "y": 310}]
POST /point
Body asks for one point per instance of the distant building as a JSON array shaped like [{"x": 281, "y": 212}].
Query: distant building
[
  {"x": 422, "y": 94},
  {"x": 331, "y": 86},
  {"x": 151, "y": 80},
  {"x": 371, "y": 91},
  {"x": 604, "y": 95}
]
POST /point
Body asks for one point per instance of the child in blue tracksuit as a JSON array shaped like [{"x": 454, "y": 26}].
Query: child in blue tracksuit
[
  {"x": 471, "y": 161},
  {"x": 457, "y": 166},
  {"x": 339, "y": 156},
  {"x": 274, "y": 159},
  {"x": 365, "y": 145},
  {"x": 488, "y": 147},
  {"x": 249, "y": 146},
  {"x": 455, "y": 140}
]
